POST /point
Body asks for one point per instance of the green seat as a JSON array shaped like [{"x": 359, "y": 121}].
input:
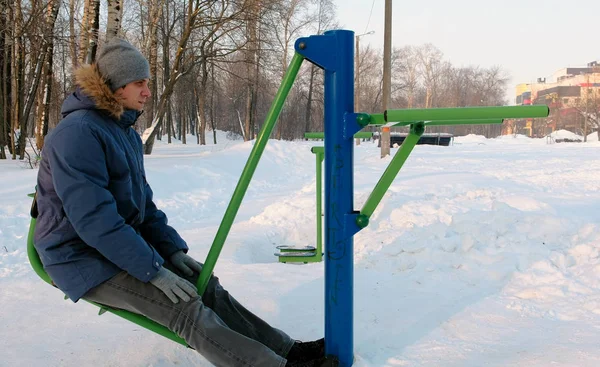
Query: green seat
[{"x": 140, "y": 320}]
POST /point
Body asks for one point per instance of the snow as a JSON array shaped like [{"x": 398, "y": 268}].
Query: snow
[
  {"x": 565, "y": 134},
  {"x": 486, "y": 252}
]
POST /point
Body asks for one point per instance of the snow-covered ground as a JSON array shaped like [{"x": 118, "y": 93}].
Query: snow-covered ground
[{"x": 484, "y": 253}]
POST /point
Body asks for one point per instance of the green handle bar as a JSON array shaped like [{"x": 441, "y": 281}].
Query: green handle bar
[
  {"x": 251, "y": 164},
  {"x": 465, "y": 113}
]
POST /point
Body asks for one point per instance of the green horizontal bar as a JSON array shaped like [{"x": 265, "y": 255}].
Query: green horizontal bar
[
  {"x": 453, "y": 122},
  {"x": 377, "y": 119},
  {"x": 441, "y": 122},
  {"x": 463, "y": 122},
  {"x": 465, "y": 113},
  {"x": 319, "y": 135}
]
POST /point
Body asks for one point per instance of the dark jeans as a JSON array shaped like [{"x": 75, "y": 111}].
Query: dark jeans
[{"x": 216, "y": 325}]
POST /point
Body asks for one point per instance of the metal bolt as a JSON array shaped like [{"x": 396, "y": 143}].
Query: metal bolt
[
  {"x": 302, "y": 45},
  {"x": 362, "y": 220},
  {"x": 363, "y": 119}
]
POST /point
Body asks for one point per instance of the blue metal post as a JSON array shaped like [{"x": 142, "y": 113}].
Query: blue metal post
[{"x": 334, "y": 52}]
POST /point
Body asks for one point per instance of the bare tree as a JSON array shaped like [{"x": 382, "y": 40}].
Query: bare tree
[
  {"x": 214, "y": 64},
  {"x": 88, "y": 40},
  {"x": 371, "y": 75},
  {"x": 72, "y": 34},
  {"x": 85, "y": 32},
  {"x": 17, "y": 76},
  {"x": 198, "y": 14},
  {"x": 406, "y": 69},
  {"x": 155, "y": 14},
  {"x": 291, "y": 17},
  {"x": 430, "y": 62},
  {"x": 5, "y": 71},
  {"x": 588, "y": 106},
  {"x": 214, "y": 46},
  {"x": 113, "y": 25},
  {"x": 324, "y": 19},
  {"x": 251, "y": 58},
  {"x": 43, "y": 113}
]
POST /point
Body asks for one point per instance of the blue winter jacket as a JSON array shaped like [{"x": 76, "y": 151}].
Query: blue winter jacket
[{"x": 96, "y": 214}]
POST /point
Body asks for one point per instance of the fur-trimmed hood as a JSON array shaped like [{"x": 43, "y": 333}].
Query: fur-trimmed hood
[{"x": 93, "y": 85}]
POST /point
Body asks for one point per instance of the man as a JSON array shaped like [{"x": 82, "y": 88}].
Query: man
[{"x": 101, "y": 237}]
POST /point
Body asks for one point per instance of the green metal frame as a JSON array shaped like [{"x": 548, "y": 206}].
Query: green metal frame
[
  {"x": 418, "y": 119},
  {"x": 249, "y": 168},
  {"x": 416, "y": 130},
  {"x": 462, "y": 115},
  {"x": 319, "y": 153}
]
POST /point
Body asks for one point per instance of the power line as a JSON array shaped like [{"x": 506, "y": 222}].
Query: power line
[{"x": 370, "y": 13}]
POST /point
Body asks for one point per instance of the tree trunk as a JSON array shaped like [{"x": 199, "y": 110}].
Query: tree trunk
[
  {"x": 150, "y": 133},
  {"x": 43, "y": 113},
  {"x": 5, "y": 71},
  {"x": 183, "y": 123},
  {"x": 95, "y": 25},
  {"x": 212, "y": 104},
  {"x": 29, "y": 102},
  {"x": 249, "y": 119},
  {"x": 155, "y": 13},
  {"x": 88, "y": 39},
  {"x": 166, "y": 75},
  {"x": 308, "y": 114},
  {"x": 202, "y": 105},
  {"x": 113, "y": 25},
  {"x": 84, "y": 35},
  {"x": 72, "y": 39},
  {"x": 17, "y": 78},
  {"x": 169, "y": 133},
  {"x": 251, "y": 61}
]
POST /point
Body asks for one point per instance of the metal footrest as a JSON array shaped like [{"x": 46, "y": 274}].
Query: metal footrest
[
  {"x": 296, "y": 254},
  {"x": 285, "y": 248}
]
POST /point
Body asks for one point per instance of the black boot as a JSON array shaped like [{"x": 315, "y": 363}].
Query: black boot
[{"x": 306, "y": 351}]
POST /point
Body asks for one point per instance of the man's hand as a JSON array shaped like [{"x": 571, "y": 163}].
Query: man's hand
[
  {"x": 173, "y": 286},
  {"x": 185, "y": 263}
]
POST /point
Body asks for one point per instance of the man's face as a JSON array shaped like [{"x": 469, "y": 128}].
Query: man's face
[{"x": 134, "y": 95}]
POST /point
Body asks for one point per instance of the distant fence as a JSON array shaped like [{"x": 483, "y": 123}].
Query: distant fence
[{"x": 442, "y": 139}]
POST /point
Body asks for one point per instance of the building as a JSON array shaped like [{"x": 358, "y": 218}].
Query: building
[{"x": 572, "y": 95}]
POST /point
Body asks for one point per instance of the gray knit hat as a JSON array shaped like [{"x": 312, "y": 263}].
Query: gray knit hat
[{"x": 121, "y": 63}]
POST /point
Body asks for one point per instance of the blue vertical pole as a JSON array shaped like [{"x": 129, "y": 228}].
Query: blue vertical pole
[
  {"x": 339, "y": 201},
  {"x": 334, "y": 52}
]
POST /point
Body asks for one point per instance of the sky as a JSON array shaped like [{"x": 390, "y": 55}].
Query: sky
[
  {"x": 482, "y": 253},
  {"x": 528, "y": 39}
]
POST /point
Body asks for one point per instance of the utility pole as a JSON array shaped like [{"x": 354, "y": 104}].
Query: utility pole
[
  {"x": 587, "y": 102},
  {"x": 387, "y": 75},
  {"x": 357, "y": 72}
]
